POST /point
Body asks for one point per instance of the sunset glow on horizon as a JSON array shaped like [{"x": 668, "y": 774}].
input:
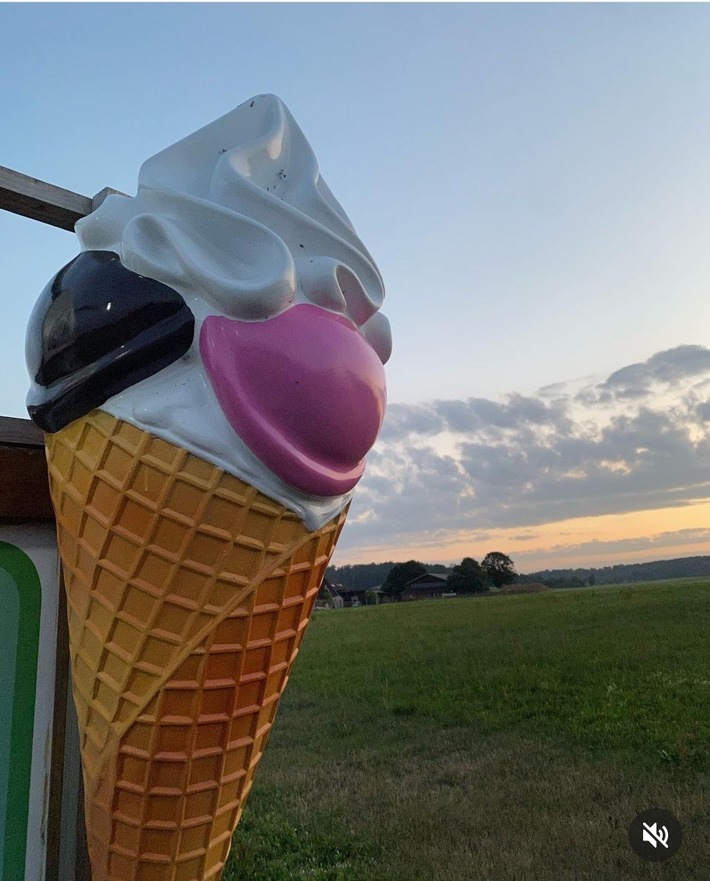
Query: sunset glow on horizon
[{"x": 585, "y": 542}]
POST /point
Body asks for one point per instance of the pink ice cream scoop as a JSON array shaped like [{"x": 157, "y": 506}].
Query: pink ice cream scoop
[{"x": 304, "y": 390}]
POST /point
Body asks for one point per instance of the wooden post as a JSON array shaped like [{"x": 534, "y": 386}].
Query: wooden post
[
  {"x": 45, "y": 202},
  {"x": 41, "y": 201}
]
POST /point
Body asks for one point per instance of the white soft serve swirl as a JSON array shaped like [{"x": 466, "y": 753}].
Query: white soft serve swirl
[{"x": 238, "y": 220}]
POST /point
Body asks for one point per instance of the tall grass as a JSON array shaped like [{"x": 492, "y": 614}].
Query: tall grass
[{"x": 489, "y": 738}]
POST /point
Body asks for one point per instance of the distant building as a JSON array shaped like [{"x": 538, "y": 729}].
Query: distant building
[
  {"x": 426, "y": 587},
  {"x": 329, "y": 596},
  {"x": 359, "y": 596},
  {"x": 352, "y": 595}
]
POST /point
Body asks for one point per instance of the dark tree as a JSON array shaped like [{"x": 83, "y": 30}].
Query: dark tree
[
  {"x": 467, "y": 577},
  {"x": 361, "y": 575},
  {"x": 401, "y": 574},
  {"x": 499, "y": 568}
]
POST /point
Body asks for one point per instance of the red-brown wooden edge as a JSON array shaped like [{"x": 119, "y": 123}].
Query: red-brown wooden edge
[{"x": 24, "y": 488}]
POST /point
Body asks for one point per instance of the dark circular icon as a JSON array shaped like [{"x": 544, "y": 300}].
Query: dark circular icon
[{"x": 655, "y": 835}]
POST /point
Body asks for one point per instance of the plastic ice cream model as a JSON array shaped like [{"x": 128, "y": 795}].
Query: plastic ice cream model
[{"x": 209, "y": 374}]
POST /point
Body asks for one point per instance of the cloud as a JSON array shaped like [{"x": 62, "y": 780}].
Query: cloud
[
  {"x": 472, "y": 465},
  {"x": 473, "y": 415},
  {"x": 596, "y": 548},
  {"x": 406, "y": 419},
  {"x": 637, "y": 381}
]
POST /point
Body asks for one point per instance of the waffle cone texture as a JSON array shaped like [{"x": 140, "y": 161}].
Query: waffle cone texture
[{"x": 188, "y": 596}]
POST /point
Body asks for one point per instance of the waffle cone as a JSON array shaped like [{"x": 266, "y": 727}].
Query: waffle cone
[{"x": 188, "y": 595}]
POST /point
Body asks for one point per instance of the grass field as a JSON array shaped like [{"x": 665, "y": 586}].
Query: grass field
[{"x": 499, "y": 738}]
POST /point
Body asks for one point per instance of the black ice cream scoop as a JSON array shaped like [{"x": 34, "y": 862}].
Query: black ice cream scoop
[{"x": 96, "y": 330}]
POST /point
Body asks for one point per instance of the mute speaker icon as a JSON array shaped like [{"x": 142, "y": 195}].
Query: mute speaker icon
[{"x": 655, "y": 835}]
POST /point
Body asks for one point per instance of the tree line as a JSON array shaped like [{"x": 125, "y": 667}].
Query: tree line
[
  {"x": 363, "y": 576},
  {"x": 657, "y": 570},
  {"x": 469, "y": 576},
  {"x": 366, "y": 575}
]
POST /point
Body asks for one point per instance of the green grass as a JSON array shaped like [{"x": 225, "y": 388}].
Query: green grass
[{"x": 489, "y": 738}]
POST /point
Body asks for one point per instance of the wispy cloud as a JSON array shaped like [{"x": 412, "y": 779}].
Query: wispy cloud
[
  {"x": 637, "y": 440},
  {"x": 671, "y": 368},
  {"x": 605, "y": 549}
]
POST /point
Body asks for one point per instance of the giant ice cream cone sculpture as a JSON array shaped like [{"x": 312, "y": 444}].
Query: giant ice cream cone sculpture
[{"x": 207, "y": 373}]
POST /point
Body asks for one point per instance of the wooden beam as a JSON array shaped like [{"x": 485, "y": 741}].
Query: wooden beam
[
  {"x": 23, "y": 471},
  {"x": 102, "y": 195},
  {"x": 41, "y": 201},
  {"x": 20, "y": 433},
  {"x": 25, "y": 485}
]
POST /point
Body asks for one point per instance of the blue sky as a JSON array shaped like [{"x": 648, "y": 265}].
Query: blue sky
[{"x": 533, "y": 181}]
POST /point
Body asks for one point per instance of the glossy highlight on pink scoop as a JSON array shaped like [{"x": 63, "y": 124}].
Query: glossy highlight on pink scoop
[{"x": 304, "y": 390}]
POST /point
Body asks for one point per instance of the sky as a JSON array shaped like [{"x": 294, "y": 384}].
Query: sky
[{"x": 533, "y": 181}]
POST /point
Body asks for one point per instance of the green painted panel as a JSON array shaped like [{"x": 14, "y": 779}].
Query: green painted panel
[
  {"x": 9, "y": 626},
  {"x": 20, "y": 608}
]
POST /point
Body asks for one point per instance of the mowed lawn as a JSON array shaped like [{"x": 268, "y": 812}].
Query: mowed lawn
[{"x": 492, "y": 738}]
